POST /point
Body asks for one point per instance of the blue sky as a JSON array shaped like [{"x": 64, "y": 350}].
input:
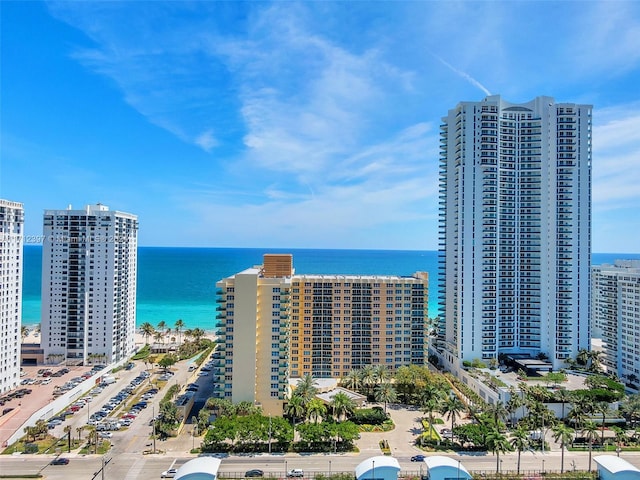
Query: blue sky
[{"x": 296, "y": 125}]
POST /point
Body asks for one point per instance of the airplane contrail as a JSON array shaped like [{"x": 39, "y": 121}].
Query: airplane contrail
[{"x": 464, "y": 75}]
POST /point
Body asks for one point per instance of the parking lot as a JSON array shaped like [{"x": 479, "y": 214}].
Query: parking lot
[{"x": 39, "y": 386}]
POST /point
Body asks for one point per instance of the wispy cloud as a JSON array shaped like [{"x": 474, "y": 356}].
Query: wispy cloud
[
  {"x": 616, "y": 150},
  {"x": 206, "y": 140}
]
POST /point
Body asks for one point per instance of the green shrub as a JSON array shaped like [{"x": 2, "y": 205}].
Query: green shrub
[{"x": 369, "y": 416}]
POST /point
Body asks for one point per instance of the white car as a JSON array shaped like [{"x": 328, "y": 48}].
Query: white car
[
  {"x": 169, "y": 473},
  {"x": 296, "y": 472},
  {"x": 105, "y": 434}
]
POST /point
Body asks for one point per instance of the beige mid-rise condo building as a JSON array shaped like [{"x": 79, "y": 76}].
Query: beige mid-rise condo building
[{"x": 274, "y": 324}]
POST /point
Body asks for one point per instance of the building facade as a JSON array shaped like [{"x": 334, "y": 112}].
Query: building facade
[
  {"x": 515, "y": 230},
  {"x": 89, "y": 272},
  {"x": 11, "y": 258},
  {"x": 276, "y": 325},
  {"x": 615, "y": 316}
]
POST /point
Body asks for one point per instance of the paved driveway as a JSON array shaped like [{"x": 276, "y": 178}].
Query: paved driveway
[{"x": 401, "y": 439}]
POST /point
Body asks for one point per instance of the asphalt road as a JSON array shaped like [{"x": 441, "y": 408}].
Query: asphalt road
[{"x": 130, "y": 466}]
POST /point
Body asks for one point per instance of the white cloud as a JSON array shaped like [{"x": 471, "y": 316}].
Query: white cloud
[
  {"x": 206, "y": 140},
  {"x": 616, "y": 150},
  {"x": 606, "y": 37}
]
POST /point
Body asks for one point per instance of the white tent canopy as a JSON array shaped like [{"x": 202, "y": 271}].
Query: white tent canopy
[
  {"x": 201, "y": 468},
  {"x": 611, "y": 467},
  {"x": 378, "y": 468},
  {"x": 440, "y": 467}
]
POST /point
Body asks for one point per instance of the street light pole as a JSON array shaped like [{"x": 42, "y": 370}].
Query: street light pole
[
  {"x": 458, "y": 469},
  {"x": 373, "y": 469},
  {"x": 329, "y": 468},
  {"x": 269, "y": 434},
  {"x": 153, "y": 412}
]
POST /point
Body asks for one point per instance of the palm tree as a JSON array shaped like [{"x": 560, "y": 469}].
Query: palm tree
[
  {"x": 158, "y": 336},
  {"x": 295, "y": 409},
  {"x": 452, "y": 407},
  {"x": 316, "y": 410},
  {"x": 342, "y": 406},
  {"x": 307, "y": 388},
  {"x": 368, "y": 379},
  {"x": 565, "y": 435},
  {"x": 497, "y": 443},
  {"x": 198, "y": 334},
  {"x": 583, "y": 357},
  {"x": 563, "y": 396},
  {"x": 24, "y": 332},
  {"x": 630, "y": 407},
  {"x": 67, "y": 430},
  {"x": 188, "y": 333},
  {"x": 147, "y": 330},
  {"x": 381, "y": 374},
  {"x": 353, "y": 380},
  {"x": 520, "y": 441},
  {"x": 514, "y": 402},
  {"x": 594, "y": 356},
  {"x": 498, "y": 412},
  {"x": 162, "y": 325},
  {"x": 602, "y": 408},
  {"x": 590, "y": 431},
  {"x": 430, "y": 397},
  {"x": 179, "y": 326},
  {"x": 385, "y": 392}
]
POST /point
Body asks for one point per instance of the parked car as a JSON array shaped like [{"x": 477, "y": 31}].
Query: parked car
[
  {"x": 169, "y": 473},
  {"x": 105, "y": 434},
  {"x": 418, "y": 458},
  {"x": 254, "y": 473},
  {"x": 295, "y": 473},
  {"x": 60, "y": 461}
]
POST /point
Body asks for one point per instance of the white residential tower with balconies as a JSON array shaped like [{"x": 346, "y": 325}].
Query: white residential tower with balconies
[
  {"x": 515, "y": 230},
  {"x": 89, "y": 271},
  {"x": 11, "y": 258}
]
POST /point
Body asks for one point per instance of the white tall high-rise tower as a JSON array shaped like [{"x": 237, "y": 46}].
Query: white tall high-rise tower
[
  {"x": 89, "y": 269},
  {"x": 515, "y": 230},
  {"x": 11, "y": 225}
]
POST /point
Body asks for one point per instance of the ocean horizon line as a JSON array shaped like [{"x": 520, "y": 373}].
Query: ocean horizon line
[{"x": 324, "y": 249}]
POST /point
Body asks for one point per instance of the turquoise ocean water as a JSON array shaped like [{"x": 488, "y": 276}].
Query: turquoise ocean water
[{"x": 178, "y": 283}]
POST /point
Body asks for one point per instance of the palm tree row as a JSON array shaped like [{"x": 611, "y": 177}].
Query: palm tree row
[{"x": 162, "y": 331}]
